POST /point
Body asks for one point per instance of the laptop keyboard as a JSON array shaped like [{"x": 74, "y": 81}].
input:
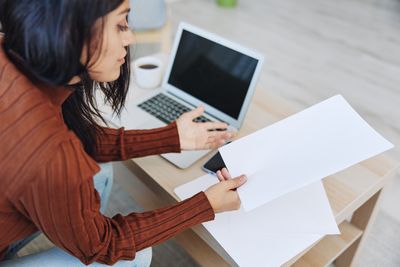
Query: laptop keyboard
[{"x": 166, "y": 109}]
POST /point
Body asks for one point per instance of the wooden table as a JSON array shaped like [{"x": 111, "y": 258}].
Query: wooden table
[{"x": 353, "y": 195}]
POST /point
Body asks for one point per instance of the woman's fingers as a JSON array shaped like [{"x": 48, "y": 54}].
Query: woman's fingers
[
  {"x": 220, "y": 176},
  {"x": 223, "y": 175},
  {"x": 217, "y": 139},
  {"x": 226, "y": 174},
  {"x": 215, "y": 125}
]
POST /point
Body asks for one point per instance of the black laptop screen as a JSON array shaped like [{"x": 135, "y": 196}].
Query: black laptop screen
[{"x": 213, "y": 73}]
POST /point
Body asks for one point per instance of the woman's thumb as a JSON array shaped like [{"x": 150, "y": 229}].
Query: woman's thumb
[
  {"x": 236, "y": 182},
  {"x": 197, "y": 112}
]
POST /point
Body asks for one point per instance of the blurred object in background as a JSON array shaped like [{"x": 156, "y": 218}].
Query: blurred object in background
[
  {"x": 149, "y": 21},
  {"x": 147, "y": 14},
  {"x": 227, "y": 3}
]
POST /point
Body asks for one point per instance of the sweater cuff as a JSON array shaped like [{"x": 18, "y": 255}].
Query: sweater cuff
[
  {"x": 175, "y": 144},
  {"x": 210, "y": 214}
]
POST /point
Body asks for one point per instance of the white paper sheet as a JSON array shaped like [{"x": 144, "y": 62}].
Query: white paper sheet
[
  {"x": 273, "y": 233},
  {"x": 306, "y": 147}
]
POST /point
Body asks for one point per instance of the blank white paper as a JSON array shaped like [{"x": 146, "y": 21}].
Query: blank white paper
[
  {"x": 303, "y": 148},
  {"x": 273, "y": 233}
]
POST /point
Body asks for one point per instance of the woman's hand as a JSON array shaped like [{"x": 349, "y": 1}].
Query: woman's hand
[
  {"x": 223, "y": 195},
  {"x": 197, "y": 135}
]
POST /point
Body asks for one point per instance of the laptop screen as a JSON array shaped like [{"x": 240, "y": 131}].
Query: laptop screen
[{"x": 213, "y": 73}]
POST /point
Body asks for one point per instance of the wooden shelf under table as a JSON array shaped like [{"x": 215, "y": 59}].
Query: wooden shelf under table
[{"x": 330, "y": 247}]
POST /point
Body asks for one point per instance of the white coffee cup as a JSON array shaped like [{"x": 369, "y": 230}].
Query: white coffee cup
[{"x": 148, "y": 72}]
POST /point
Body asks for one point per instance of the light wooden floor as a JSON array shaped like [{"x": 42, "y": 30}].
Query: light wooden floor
[
  {"x": 315, "y": 49},
  {"x": 318, "y": 48}
]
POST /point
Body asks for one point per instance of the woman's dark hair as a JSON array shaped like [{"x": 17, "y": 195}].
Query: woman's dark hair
[{"x": 45, "y": 40}]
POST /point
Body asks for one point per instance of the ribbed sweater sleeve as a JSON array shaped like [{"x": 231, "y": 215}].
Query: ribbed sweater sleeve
[
  {"x": 64, "y": 205},
  {"x": 118, "y": 144}
]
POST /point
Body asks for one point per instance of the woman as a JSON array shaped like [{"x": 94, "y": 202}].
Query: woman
[{"x": 53, "y": 56}]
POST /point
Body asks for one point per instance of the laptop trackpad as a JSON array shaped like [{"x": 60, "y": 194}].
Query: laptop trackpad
[{"x": 185, "y": 158}]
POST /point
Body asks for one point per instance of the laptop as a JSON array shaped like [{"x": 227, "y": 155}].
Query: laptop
[{"x": 203, "y": 69}]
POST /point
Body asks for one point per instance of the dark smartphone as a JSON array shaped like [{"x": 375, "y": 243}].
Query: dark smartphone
[{"x": 214, "y": 164}]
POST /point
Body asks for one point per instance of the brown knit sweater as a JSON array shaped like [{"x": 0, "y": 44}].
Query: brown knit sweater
[{"x": 46, "y": 178}]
